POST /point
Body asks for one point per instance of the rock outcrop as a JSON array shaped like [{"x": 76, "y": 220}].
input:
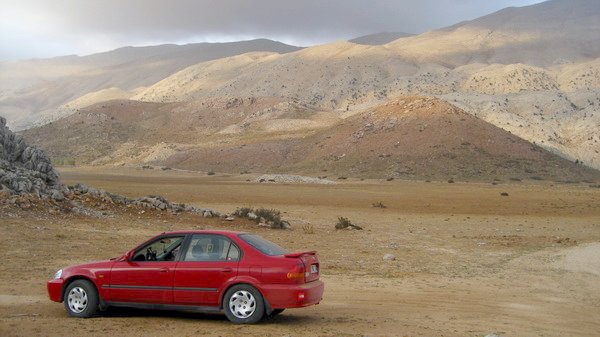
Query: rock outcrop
[
  {"x": 292, "y": 179},
  {"x": 26, "y": 169},
  {"x": 148, "y": 202}
]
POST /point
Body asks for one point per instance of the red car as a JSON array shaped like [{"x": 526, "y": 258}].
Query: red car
[{"x": 240, "y": 274}]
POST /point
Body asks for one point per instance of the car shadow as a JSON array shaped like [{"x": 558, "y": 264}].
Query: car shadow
[
  {"x": 291, "y": 318},
  {"x": 120, "y": 312},
  {"x": 283, "y": 318}
]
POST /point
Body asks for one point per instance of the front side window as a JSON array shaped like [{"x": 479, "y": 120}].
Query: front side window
[
  {"x": 209, "y": 247},
  {"x": 163, "y": 249}
]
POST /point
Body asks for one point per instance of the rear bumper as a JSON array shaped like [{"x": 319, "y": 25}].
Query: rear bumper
[
  {"x": 282, "y": 296},
  {"x": 55, "y": 289}
]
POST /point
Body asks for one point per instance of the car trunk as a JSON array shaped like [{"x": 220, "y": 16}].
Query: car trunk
[{"x": 310, "y": 262}]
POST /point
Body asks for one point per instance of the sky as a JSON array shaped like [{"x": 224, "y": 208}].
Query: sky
[{"x": 46, "y": 28}]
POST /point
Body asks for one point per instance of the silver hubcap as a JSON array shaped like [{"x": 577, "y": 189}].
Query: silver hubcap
[
  {"x": 77, "y": 300},
  {"x": 242, "y": 304}
]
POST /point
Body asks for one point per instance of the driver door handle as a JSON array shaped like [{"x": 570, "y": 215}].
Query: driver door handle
[
  {"x": 164, "y": 270},
  {"x": 226, "y": 270}
]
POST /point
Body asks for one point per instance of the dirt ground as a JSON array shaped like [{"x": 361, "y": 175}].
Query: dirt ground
[{"x": 469, "y": 262}]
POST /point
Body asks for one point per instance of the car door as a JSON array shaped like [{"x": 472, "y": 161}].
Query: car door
[
  {"x": 147, "y": 277},
  {"x": 210, "y": 260}
]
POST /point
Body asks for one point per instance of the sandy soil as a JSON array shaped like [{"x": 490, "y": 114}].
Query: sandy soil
[{"x": 469, "y": 261}]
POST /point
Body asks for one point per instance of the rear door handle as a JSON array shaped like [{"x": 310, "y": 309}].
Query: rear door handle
[
  {"x": 164, "y": 270},
  {"x": 227, "y": 270}
]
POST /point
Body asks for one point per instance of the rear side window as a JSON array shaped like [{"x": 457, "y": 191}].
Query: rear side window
[
  {"x": 264, "y": 246},
  {"x": 208, "y": 247}
]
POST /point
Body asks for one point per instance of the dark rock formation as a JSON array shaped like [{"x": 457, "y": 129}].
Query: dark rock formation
[{"x": 26, "y": 169}]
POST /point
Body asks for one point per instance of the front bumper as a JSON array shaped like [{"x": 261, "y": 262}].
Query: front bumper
[
  {"x": 55, "y": 289},
  {"x": 282, "y": 296}
]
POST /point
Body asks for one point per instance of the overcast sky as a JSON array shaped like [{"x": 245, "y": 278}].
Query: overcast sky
[{"x": 43, "y": 28}]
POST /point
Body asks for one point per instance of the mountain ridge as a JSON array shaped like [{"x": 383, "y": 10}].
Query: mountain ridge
[
  {"x": 411, "y": 137},
  {"x": 379, "y": 38},
  {"x": 31, "y": 91}
]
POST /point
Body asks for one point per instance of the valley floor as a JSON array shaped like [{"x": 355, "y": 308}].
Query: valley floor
[{"x": 469, "y": 261}]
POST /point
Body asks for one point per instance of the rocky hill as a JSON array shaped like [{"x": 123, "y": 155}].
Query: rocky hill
[
  {"x": 125, "y": 131},
  {"x": 555, "y": 107},
  {"x": 410, "y": 138},
  {"x": 426, "y": 138}
]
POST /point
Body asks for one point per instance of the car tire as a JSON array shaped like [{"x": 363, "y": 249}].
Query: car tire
[
  {"x": 81, "y": 299},
  {"x": 276, "y": 312},
  {"x": 243, "y": 304}
]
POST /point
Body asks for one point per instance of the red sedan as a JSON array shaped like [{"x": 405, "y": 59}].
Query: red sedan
[{"x": 240, "y": 274}]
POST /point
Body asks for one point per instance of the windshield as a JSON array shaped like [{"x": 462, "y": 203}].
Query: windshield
[{"x": 264, "y": 246}]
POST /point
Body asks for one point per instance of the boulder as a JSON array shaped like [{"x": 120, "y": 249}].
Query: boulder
[
  {"x": 285, "y": 225},
  {"x": 57, "y": 195},
  {"x": 389, "y": 257}
]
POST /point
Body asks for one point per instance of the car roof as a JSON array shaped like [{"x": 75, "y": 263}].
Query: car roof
[{"x": 203, "y": 231}]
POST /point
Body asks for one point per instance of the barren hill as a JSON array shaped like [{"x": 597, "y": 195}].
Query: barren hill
[
  {"x": 125, "y": 131},
  {"x": 330, "y": 76},
  {"x": 551, "y": 32},
  {"x": 31, "y": 90},
  {"x": 514, "y": 78},
  {"x": 409, "y": 138},
  {"x": 555, "y": 106},
  {"x": 425, "y": 138}
]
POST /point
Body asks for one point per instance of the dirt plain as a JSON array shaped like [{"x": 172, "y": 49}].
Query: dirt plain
[{"x": 469, "y": 261}]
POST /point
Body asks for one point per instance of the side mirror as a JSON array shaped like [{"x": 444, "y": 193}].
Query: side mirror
[{"x": 128, "y": 256}]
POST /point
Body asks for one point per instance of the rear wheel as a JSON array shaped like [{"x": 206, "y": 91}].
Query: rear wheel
[
  {"x": 243, "y": 304},
  {"x": 81, "y": 299}
]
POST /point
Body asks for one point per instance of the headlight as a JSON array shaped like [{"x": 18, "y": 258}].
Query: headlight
[{"x": 58, "y": 274}]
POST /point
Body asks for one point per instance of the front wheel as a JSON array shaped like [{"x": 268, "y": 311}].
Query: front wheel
[
  {"x": 243, "y": 304},
  {"x": 81, "y": 299}
]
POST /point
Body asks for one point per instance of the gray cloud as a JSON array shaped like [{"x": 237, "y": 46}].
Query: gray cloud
[{"x": 41, "y": 28}]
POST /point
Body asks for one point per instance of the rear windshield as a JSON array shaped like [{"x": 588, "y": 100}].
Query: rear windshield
[{"x": 264, "y": 246}]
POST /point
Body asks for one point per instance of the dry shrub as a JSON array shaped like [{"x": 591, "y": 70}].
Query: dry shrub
[
  {"x": 242, "y": 211},
  {"x": 344, "y": 223},
  {"x": 308, "y": 229}
]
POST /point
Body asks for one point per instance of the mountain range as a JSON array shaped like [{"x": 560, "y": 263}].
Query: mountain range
[
  {"x": 526, "y": 78},
  {"x": 34, "y": 92}
]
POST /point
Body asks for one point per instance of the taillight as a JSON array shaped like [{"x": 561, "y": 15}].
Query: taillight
[{"x": 297, "y": 273}]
